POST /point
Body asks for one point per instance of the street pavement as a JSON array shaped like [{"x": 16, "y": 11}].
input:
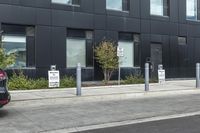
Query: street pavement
[
  {"x": 60, "y": 111},
  {"x": 180, "y": 125}
]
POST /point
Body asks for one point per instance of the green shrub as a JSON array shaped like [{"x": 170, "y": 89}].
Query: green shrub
[
  {"x": 67, "y": 82},
  {"x": 5, "y": 59},
  {"x": 22, "y": 82},
  {"x": 40, "y": 83},
  {"x": 153, "y": 80},
  {"x": 106, "y": 56},
  {"x": 19, "y": 81},
  {"x": 137, "y": 80},
  {"x": 133, "y": 80}
]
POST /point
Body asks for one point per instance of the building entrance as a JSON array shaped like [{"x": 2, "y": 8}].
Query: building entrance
[{"x": 156, "y": 58}]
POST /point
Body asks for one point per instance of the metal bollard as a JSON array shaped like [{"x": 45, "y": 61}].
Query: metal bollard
[
  {"x": 78, "y": 80},
  {"x": 198, "y": 75},
  {"x": 146, "y": 76}
]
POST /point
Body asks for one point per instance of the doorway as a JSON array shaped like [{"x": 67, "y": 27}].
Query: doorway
[{"x": 156, "y": 58}]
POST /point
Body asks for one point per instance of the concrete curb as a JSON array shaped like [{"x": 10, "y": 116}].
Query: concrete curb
[
  {"x": 97, "y": 87},
  {"x": 119, "y": 96},
  {"x": 94, "y": 87}
]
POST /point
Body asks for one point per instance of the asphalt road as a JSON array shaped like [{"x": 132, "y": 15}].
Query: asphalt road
[
  {"x": 55, "y": 114},
  {"x": 181, "y": 125}
]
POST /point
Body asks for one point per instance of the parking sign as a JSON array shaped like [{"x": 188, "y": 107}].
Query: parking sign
[
  {"x": 54, "y": 78},
  {"x": 120, "y": 52}
]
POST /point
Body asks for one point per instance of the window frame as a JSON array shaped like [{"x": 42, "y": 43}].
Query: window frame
[
  {"x": 165, "y": 9},
  {"x": 122, "y": 5},
  {"x": 197, "y": 12},
  {"x": 135, "y": 39},
  {"x": 24, "y": 41},
  {"x": 71, "y": 4},
  {"x": 88, "y": 36},
  {"x": 27, "y": 31},
  {"x": 133, "y": 53},
  {"x": 76, "y": 38}
]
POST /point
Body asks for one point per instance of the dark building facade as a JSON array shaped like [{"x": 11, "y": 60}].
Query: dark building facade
[{"x": 62, "y": 32}]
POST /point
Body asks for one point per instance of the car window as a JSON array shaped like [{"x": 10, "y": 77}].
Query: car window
[{"x": 2, "y": 89}]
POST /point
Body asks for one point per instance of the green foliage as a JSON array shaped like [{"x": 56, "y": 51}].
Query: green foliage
[
  {"x": 22, "y": 82},
  {"x": 19, "y": 81},
  {"x": 40, "y": 83},
  {"x": 133, "y": 80},
  {"x": 153, "y": 80},
  {"x": 106, "y": 56},
  {"x": 67, "y": 82},
  {"x": 137, "y": 80},
  {"x": 6, "y": 60}
]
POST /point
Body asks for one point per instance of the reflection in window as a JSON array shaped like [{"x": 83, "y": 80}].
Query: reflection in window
[
  {"x": 15, "y": 45},
  {"x": 114, "y": 4},
  {"x": 128, "y": 59},
  {"x": 157, "y": 7},
  {"x": 76, "y": 52},
  {"x": 67, "y": 2},
  {"x": 192, "y": 9},
  {"x": 120, "y": 5}
]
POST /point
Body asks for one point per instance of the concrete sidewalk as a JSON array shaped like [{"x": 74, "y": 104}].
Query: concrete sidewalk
[
  {"x": 61, "y": 111},
  {"x": 110, "y": 92}
]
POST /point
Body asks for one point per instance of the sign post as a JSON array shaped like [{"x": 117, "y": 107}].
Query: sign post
[
  {"x": 161, "y": 74},
  {"x": 120, "y": 53},
  {"x": 78, "y": 79},
  {"x": 198, "y": 75},
  {"x": 54, "y": 77},
  {"x": 146, "y": 77}
]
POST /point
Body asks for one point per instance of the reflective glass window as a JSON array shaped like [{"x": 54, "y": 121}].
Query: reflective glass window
[
  {"x": 156, "y": 7},
  {"x": 114, "y": 4},
  {"x": 67, "y": 2},
  {"x": 76, "y": 52},
  {"x": 191, "y": 9},
  {"x": 15, "y": 45},
  {"x": 120, "y": 5},
  {"x": 128, "y": 53}
]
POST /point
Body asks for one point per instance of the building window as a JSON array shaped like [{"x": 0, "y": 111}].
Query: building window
[
  {"x": 79, "y": 48},
  {"x": 130, "y": 44},
  {"x": 192, "y": 9},
  {"x": 67, "y": 2},
  {"x": 19, "y": 40},
  {"x": 159, "y": 7},
  {"x": 76, "y": 52},
  {"x": 120, "y": 5},
  {"x": 127, "y": 59},
  {"x": 182, "y": 40},
  {"x": 15, "y": 45}
]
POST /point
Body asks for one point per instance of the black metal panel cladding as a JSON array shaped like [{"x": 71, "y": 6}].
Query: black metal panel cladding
[{"x": 51, "y": 22}]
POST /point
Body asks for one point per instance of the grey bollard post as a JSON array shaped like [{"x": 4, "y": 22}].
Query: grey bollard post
[
  {"x": 146, "y": 76},
  {"x": 78, "y": 80},
  {"x": 198, "y": 75}
]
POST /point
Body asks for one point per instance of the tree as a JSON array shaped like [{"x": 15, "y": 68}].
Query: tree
[
  {"x": 106, "y": 56},
  {"x": 6, "y": 60}
]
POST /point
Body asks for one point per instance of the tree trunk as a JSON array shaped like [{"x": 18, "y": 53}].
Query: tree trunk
[{"x": 105, "y": 76}]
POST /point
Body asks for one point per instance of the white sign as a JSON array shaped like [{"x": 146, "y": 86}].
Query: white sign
[
  {"x": 120, "y": 52},
  {"x": 161, "y": 76},
  {"x": 54, "y": 78}
]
